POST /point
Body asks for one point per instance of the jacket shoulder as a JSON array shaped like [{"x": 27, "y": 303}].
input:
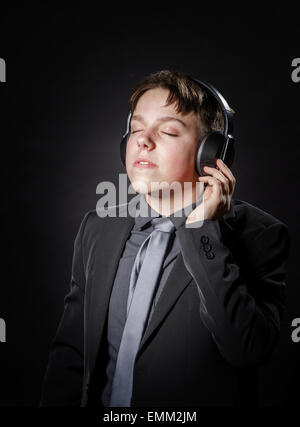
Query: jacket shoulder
[
  {"x": 253, "y": 217},
  {"x": 257, "y": 238},
  {"x": 94, "y": 225},
  {"x": 255, "y": 227},
  {"x": 91, "y": 226}
]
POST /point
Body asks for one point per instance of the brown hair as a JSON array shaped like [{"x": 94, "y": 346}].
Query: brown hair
[{"x": 186, "y": 94}]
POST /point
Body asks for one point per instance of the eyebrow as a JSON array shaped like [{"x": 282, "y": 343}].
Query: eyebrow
[{"x": 140, "y": 118}]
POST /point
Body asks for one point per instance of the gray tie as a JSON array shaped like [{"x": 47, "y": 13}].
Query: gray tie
[{"x": 143, "y": 281}]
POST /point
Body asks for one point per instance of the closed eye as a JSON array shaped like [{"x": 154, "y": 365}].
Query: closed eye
[
  {"x": 166, "y": 133},
  {"x": 171, "y": 134}
]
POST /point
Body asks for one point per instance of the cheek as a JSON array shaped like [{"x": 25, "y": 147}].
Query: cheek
[
  {"x": 129, "y": 150},
  {"x": 130, "y": 156},
  {"x": 179, "y": 162}
]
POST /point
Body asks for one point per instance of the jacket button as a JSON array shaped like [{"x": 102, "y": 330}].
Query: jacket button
[
  {"x": 204, "y": 239},
  {"x": 206, "y": 247},
  {"x": 210, "y": 255}
]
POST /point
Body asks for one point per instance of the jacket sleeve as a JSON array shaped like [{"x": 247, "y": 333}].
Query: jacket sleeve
[
  {"x": 62, "y": 384},
  {"x": 241, "y": 309}
]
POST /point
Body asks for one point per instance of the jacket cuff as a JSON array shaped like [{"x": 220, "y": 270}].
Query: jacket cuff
[{"x": 202, "y": 234}]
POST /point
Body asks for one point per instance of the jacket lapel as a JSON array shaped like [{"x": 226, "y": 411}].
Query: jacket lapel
[
  {"x": 107, "y": 254},
  {"x": 177, "y": 281}
]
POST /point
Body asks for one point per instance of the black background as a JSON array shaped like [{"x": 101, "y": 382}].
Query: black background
[{"x": 70, "y": 72}]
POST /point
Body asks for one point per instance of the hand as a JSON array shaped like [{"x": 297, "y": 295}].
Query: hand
[{"x": 217, "y": 195}]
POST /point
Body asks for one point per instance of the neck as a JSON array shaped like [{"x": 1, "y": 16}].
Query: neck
[{"x": 168, "y": 202}]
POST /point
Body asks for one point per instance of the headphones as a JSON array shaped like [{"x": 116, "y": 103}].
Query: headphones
[{"x": 215, "y": 144}]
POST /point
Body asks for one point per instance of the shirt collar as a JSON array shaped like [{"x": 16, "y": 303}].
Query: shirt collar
[{"x": 145, "y": 213}]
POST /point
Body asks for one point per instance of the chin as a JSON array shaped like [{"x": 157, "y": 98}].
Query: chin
[
  {"x": 140, "y": 186},
  {"x": 152, "y": 187}
]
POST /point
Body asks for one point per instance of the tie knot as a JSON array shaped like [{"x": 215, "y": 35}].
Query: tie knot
[{"x": 163, "y": 224}]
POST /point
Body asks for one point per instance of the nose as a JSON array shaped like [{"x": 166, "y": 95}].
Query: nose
[{"x": 144, "y": 141}]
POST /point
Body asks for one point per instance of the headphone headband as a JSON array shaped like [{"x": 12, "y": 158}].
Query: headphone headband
[{"x": 226, "y": 111}]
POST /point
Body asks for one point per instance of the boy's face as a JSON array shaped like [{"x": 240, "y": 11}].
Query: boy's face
[{"x": 170, "y": 144}]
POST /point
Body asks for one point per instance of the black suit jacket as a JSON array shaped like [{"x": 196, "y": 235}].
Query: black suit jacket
[{"x": 216, "y": 321}]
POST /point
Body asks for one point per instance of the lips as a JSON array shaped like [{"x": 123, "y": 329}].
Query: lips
[{"x": 144, "y": 163}]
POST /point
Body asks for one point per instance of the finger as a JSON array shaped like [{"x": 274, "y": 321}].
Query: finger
[
  {"x": 216, "y": 173},
  {"x": 227, "y": 172},
  {"x": 214, "y": 182},
  {"x": 219, "y": 175}
]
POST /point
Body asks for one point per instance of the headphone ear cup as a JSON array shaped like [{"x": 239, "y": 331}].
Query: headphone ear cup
[
  {"x": 230, "y": 152},
  {"x": 124, "y": 140},
  {"x": 210, "y": 148},
  {"x": 123, "y": 147}
]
